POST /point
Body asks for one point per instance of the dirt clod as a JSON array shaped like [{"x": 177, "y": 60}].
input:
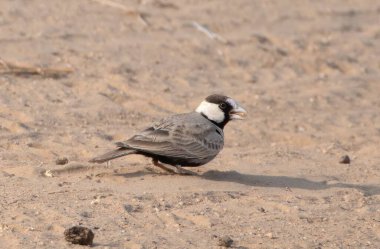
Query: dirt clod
[
  {"x": 261, "y": 209},
  {"x": 345, "y": 159},
  {"x": 61, "y": 161},
  {"x": 79, "y": 235},
  {"x": 225, "y": 241}
]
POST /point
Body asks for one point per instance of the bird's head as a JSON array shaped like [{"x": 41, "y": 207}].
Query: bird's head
[{"x": 220, "y": 109}]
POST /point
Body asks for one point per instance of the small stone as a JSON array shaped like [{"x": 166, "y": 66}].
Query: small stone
[
  {"x": 48, "y": 173},
  {"x": 270, "y": 235},
  {"x": 86, "y": 214},
  {"x": 345, "y": 159},
  {"x": 254, "y": 79},
  {"x": 132, "y": 208},
  {"x": 225, "y": 241},
  {"x": 61, "y": 161},
  {"x": 261, "y": 209},
  {"x": 95, "y": 202},
  {"x": 79, "y": 235},
  {"x": 282, "y": 52}
]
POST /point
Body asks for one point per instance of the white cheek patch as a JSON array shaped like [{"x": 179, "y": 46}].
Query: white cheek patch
[{"x": 211, "y": 111}]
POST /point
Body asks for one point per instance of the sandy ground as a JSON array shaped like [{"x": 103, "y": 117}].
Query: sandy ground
[{"x": 308, "y": 72}]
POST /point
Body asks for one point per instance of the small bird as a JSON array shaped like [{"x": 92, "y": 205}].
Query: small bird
[{"x": 182, "y": 140}]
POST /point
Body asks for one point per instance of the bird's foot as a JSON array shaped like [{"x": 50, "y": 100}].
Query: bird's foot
[
  {"x": 173, "y": 169},
  {"x": 181, "y": 171}
]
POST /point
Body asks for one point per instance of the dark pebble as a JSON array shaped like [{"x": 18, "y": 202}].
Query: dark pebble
[
  {"x": 225, "y": 241},
  {"x": 79, "y": 235},
  {"x": 345, "y": 159},
  {"x": 86, "y": 214},
  {"x": 61, "y": 161}
]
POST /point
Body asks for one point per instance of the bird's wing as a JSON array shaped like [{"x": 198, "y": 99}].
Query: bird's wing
[{"x": 178, "y": 138}]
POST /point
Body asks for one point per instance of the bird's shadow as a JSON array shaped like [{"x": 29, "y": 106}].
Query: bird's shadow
[
  {"x": 269, "y": 181},
  {"x": 284, "y": 182}
]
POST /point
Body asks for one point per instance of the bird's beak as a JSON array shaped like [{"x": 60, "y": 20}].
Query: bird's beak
[{"x": 238, "y": 113}]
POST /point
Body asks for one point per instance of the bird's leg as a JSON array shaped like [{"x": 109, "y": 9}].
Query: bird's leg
[
  {"x": 173, "y": 169},
  {"x": 156, "y": 163},
  {"x": 182, "y": 171},
  {"x": 108, "y": 164}
]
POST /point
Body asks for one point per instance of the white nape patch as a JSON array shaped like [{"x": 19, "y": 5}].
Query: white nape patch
[{"x": 211, "y": 111}]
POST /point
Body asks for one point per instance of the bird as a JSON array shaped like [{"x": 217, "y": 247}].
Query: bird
[{"x": 182, "y": 140}]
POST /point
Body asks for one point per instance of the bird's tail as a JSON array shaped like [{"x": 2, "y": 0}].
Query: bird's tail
[{"x": 112, "y": 155}]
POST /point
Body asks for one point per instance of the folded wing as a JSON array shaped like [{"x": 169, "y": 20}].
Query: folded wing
[{"x": 179, "y": 138}]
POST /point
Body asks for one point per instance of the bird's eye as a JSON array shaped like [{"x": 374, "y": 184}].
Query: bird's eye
[{"x": 223, "y": 106}]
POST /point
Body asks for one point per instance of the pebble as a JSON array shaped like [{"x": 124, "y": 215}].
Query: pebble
[
  {"x": 86, "y": 214},
  {"x": 61, "y": 161},
  {"x": 48, "y": 173},
  {"x": 132, "y": 208},
  {"x": 345, "y": 159},
  {"x": 79, "y": 235},
  {"x": 269, "y": 235},
  {"x": 261, "y": 209}
]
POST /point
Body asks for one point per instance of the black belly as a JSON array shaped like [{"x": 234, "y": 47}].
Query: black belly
[{"x": 193, "y": 162}]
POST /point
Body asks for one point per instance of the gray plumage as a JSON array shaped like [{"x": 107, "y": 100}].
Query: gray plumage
[
  {"x": 185, "y": 139},
  {"x": 190, "y": 139}
]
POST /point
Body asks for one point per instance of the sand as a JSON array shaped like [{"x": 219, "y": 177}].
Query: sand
[{"x": 308, "y": 73}]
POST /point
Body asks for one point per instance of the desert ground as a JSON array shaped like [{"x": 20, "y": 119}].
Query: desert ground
[{"x": 77, "y": 76}]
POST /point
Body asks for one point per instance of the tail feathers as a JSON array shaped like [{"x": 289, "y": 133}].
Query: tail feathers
[{"x": 112, "y": 155}]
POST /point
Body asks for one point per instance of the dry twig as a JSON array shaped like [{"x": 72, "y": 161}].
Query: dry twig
[
  {"x": 26, "y": 70},
  {"x": 208, "y": 32},
  {"x": 124, "y": 8}
]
